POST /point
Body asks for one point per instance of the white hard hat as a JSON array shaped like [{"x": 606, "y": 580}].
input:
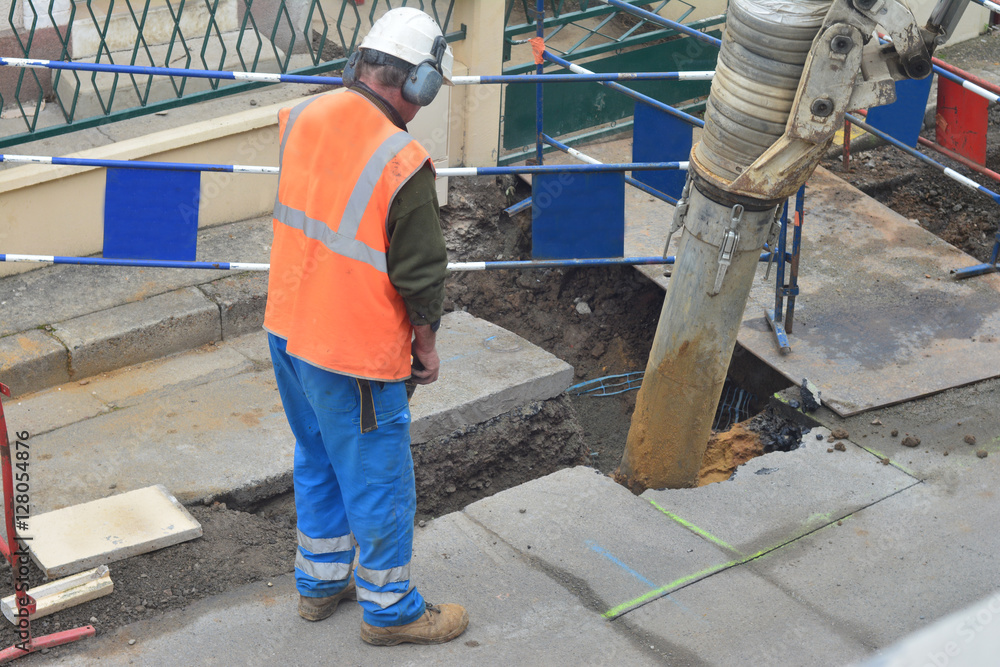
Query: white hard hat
[{"x": 409, "y": 34}]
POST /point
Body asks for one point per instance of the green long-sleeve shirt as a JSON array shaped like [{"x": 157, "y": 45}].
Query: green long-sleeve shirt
[{"x": 417, "y": 259}]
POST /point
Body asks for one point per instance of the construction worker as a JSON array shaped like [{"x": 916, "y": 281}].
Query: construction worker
[{"x": 356, "y": 287}]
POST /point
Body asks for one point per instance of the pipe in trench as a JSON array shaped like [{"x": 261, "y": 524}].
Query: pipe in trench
[{"x": 764, "y": 48}]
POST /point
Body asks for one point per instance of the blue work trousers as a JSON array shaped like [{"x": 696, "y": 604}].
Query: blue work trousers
[{"x": 351, "y": 488}]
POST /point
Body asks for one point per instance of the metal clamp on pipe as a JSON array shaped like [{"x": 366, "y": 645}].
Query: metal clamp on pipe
[{"x": 727, "y": 248}]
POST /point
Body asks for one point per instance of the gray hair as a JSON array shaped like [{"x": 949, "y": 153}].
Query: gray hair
[{"x": 386, "y": 75}]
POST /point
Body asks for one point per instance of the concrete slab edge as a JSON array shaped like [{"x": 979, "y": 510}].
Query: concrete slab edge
[
  {"x": 683, "y": 582},
  {"x": 34, "y": 360},
  {"x": 826, "y": 418}
]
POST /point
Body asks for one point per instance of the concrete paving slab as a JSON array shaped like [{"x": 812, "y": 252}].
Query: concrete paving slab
[
  {"x": 52, "y": 409},
  {"x": 139, "y": 331},
  {"x": 736, "y": 618},
  {"x": 103, "y": 531},
  {"x": 595, "y": 537},
  {"x": 124, "y": 387},
  {"x": 962, "y": 639},
  {"x": 32, "y": 359},
  {"x": 941, "y": 422},
  {"x": 486, "y": 371},
  {"x": 517, "y": 615},
  {"x": 253, "y": 346},
  {"x": 898, "y": 565},
  {"x": 210, "y": 439},
  {"x": 784, "y": 495},
  {"x": 241, "y": 300}
]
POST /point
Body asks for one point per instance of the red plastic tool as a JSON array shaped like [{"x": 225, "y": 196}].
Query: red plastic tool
[{"x": 16, "y": 554}]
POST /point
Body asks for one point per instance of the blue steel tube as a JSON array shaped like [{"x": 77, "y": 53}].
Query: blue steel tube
[
  {"x": 950, "y": 173},
  {"x": 251, "y": 169},
  {"x": 250, "y": 266},
  {"x": 646, "y": 99},
  {"x": 628, "y": 179},
  {"x": 779, "y": 281},
  {"x": 793, "y": 273},
  {"x": 263, "y": 77},
  {"x": 666, "y": 23},
  {"x": 539, "y": 88}
]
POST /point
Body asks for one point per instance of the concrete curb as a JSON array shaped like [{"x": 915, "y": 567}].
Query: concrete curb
[{"x": 128, "y": 334}]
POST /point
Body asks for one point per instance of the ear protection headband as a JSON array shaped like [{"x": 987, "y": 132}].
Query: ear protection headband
[{"x": 423, "y": 81}]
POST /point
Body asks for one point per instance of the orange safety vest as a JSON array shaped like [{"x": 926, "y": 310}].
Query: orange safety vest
[{"x": 329, "y": 294}]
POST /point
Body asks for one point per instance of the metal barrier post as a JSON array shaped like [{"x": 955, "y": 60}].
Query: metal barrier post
[{"x": 17, "y": 555}]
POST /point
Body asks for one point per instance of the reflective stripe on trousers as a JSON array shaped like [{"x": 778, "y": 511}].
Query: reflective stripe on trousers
[{"x": 348, "y": 483}]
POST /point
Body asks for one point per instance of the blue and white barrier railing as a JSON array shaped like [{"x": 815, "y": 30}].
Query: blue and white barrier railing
[
  {"x": 950, "y": 173},
  {"x": 264, "y": 77},
  {"x": 660, "y": 21},
  {"x": 251, "y": 266},
  {"x": 252, "y": 169},
  {"x": 628, "y": 179},
  {"x": 646, "y": 99}
]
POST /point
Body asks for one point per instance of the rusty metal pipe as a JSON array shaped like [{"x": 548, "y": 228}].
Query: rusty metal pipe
[
  {"x": 692, "y": 347},
  {"x": 764, "y": 48}
]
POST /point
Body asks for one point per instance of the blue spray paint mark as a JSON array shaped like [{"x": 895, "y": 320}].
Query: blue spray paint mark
[{"x": 597, "y": 548}]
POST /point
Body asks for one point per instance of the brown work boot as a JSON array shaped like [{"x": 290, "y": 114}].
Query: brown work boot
[
  {"x": 439, "y": 624},
  {"x": 316, "y": 609}
]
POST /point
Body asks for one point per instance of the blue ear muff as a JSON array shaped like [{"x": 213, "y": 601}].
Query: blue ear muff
[
  {"x": 350, "y": 73},
  {"x": 424, "y": 80},
  {"x": 422, "y": 84}
]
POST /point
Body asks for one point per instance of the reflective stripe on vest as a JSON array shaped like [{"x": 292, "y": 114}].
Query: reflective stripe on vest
[{"x": 343, "y": 241}]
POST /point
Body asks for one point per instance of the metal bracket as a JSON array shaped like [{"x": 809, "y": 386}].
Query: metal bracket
[
  {"x": 730, "y": 240},
  {"x": 680, "y": 213},
  {"x": 772, "y": 240}
]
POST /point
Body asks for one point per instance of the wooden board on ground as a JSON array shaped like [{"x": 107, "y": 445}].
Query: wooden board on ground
[{"x": 61, "y": 594}]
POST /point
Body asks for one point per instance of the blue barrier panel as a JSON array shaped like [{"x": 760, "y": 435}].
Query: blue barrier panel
[
  {"x": 904, "y": 118},
  {"x": 655, "y": 136},
  {"x": 151, "y": 214},
  {"x": 577, "y": 215}
]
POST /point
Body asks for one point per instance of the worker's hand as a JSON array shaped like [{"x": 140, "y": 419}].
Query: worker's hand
[{"x": 426, "y": 362}]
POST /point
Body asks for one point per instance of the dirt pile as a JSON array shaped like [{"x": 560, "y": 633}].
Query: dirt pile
[
  {"x": 237, "y": 548},
  {"x": 727, "y": 451}
]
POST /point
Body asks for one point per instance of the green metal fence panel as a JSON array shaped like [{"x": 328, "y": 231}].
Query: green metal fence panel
[
  {"x": 240, "y": 35},
  {"x": 573, "y": 107}
]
